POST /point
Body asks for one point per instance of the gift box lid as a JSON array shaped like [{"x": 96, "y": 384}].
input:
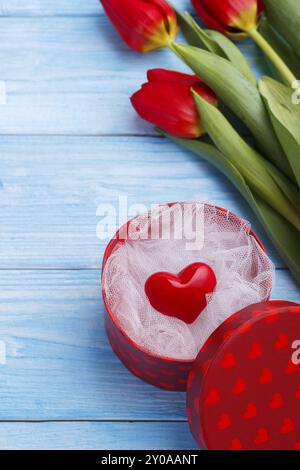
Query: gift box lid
[{"x": 244, "y": 388}]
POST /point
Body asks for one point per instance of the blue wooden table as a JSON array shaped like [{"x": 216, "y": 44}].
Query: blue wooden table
[{"x": 69, "y": 142}]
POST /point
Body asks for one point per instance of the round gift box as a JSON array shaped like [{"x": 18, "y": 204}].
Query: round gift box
[
  {"x": 163, "y": 372},
  {"x": 244, "y": 388}
]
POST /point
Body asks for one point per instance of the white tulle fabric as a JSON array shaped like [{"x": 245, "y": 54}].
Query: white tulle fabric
[{"x": 244, "y": 276}]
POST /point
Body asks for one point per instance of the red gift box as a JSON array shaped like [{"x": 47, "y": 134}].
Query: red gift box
[
  {"x": 160, "y": 371},
  {"x": 244, "y": 388}
]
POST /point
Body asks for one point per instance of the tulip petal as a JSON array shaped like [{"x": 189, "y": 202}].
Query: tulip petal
[
  {"x": 169, "y": 106},
  {"x": 143, "y": 24},
  {"x": 164, "y": 75},
  {"x": 169, "y": 14},
  {"x": 208, "y": 17},
  {"x": 233, "y": 17}
]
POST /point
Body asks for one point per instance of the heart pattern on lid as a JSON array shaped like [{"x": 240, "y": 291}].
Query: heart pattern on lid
[{"x": 249, "y": 397}]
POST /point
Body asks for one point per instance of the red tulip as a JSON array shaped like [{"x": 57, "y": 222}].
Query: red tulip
[
  {"x": 144, "y": 25},
  {"x": 167, "y": 102},
  {"x": 231, "y": 17}
]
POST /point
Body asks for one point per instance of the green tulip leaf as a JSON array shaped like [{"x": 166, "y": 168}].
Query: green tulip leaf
[
  {"x": 285, "y": 117},
  {"x": 284, "y": 16},
  {"x": 233, "y": 54},
  {"x": 248, "y": 162},
  {"x": 190, "y": 34},
  {"x": 239, "y": 95},
  {"x": 281, "y": 46},
  {"x": 215, "y": 42},
  {"x": 284, "y": 236},
  {"x": 287, "y": 187}
]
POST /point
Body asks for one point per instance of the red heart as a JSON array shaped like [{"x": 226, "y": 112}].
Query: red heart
[
  {"x": 287, "y": 426},
  {"x": 181, "y": 295},
  {"x": 276, "y": 402},
  {"x": 251, "y": 411},
  {"x": 236, "y": 445},
  {"x": 262, "y": 436},
  {"x": 266, "y": 376},
  {"x": 282, "y": 341},
  {"x": 297, "y": 446},
  {"x": 224, "y": 422},
  {"x": 298, "y": 394},
  {"x": 228, "y": 361},
  {"x": 227, "y": 335},
  {"x": 213, "y": 397},
  {"x": 255, "y": 352},
  {"x": 239, "y": 387},
  {"x": 272, "y": 318},
  {"x": 291, "y": 368},
  {"x": 245, "y": 328}
]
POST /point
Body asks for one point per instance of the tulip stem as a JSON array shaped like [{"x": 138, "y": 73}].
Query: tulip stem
[{"x": 282, "y": 68}]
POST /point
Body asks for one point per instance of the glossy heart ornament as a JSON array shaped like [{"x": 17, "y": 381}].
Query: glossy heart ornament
[{"x": 181, "y": 295}]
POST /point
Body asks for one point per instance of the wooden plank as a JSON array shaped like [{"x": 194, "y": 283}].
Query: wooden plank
[
  {"x": 51, "y": 188},
  {"x": 96, "y": 436},
  {"x": 59, "y": 364},
  {"x": 75, "y": 76},
  {"x": 61, "y": 7}
]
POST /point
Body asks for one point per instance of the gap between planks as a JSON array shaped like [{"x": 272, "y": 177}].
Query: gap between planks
[
  {"x": 54, "y": 15},
  {"x": 81, "y": 268},
  {"x": 87, "y": 420},
  {"x": 90, "y": 136}
]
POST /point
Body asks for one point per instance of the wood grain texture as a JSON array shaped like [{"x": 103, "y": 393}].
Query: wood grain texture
[
  {"x": 96, "y": 436},
  {"x": 59, "y": 363},
  {"x": 51, "y": 188},
  {"x": 61, "y": 8},
  {"x": 70, "y": 142},
  {"x": 65, "y": 76}
]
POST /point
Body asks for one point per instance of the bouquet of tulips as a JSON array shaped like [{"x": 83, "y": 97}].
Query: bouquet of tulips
[{"x": 187, "y": 108}]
